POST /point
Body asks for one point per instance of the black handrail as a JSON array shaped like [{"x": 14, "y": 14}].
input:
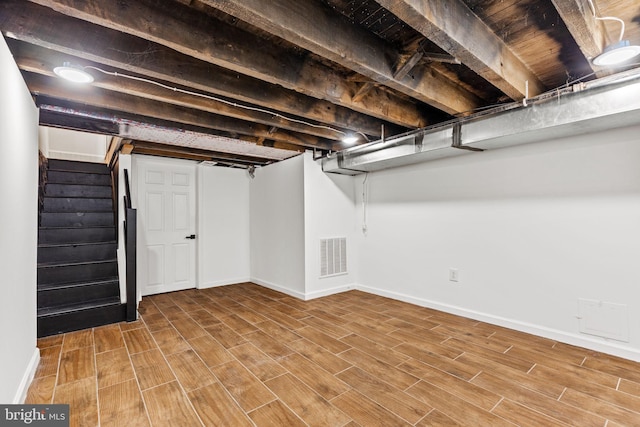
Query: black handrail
[
  {"x": 130, "y": 229},
  {"x": 127, "y": 190}
]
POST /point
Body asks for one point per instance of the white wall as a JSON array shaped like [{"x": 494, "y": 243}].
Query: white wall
[
  {"x": 72, "y": 145},
  {"x": 329, "y": 212},
  {"x": 277, "y": 226},
  {"x": 223, "y": 226},
  {"x": 531, "y": 230},
  {"x": 18, "y": 231}
]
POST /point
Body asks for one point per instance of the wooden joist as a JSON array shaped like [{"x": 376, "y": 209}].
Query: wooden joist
[
  {"x": 322, "y": 31},
  {"x": 97, "y": 97},
  {"x": 457, "y": 30},
  {"x": 216, "y": 42}
]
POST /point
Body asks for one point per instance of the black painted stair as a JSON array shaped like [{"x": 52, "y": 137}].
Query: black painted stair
[{"x": 78, "y": 284}]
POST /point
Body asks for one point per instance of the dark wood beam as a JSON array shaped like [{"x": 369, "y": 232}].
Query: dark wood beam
[
  {"x": 199, "y": 36},
  {"x": 407, "y": 65},
  {"x": 364, "y": 90},
  {"x": 39, "y": 60},
  {"x": 456, "y": 29},
  {"x": 589, "y": 33},
  {"x": 324, "y": 32},
  {"x": 61, "y": 113},
  {"x": 83, "y": 124},
  {"x": 165, "y": 150},
  {"x": 115, "y": 101}
]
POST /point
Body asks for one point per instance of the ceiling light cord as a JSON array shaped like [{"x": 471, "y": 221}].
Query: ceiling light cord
[
  {"x": 607, "y": 18},
  {"x": 222, "y": 100}
]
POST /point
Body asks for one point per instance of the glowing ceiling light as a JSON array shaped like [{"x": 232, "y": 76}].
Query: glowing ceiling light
[
  {"x": 73, "y": 73},
  {"x": 350, "y": 139},
  {"x": 617, "y": 53}
]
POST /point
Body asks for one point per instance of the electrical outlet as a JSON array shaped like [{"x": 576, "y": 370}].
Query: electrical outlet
[{"x": 454, "y": 275}]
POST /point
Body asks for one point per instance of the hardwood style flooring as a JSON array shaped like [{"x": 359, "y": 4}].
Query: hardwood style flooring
[{"x": 243, "y": 355}]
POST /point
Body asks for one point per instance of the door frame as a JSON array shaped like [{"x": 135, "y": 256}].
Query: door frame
[{"x": 136, "y": 161}]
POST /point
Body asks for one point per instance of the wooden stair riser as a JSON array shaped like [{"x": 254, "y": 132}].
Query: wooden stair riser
[
  {"x": 76, "y": 253},
  {"x": 69, "y": 165},
  {"x": 69, "y": 190},
  {"x": 75, "y": 273},
  {"x": 80, "y": 319},
  {"x": 73, "y": 204},
  {"x": 79, "y": 219},
  {"x": 63, "y": 177},
  {"x": 75, "y": 294},
  {"x": 53, "y": 236}
]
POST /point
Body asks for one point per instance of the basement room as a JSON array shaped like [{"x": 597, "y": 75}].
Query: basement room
[{"x": 320, "y": 213}]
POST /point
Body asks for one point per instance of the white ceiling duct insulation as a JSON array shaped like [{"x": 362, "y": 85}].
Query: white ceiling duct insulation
[{"x": 599, "y": 105}]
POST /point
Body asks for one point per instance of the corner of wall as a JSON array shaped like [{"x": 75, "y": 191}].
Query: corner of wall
[{"x": 29, "y": 374}]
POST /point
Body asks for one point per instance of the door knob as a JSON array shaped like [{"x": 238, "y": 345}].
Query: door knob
[{"x": 192, "y": 237}]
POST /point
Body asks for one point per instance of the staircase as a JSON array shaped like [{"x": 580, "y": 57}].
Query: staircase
[{"x": 78, "y": 284}]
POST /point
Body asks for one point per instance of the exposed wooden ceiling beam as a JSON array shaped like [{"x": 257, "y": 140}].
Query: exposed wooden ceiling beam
[
  {"x": 456, "y": 29},
  {"x": 42, "y": 61},
  {"x": 56, "y": 88},
  {"x": 195, "y": 34},
  {"x": 44, "y": 27},
  {"x": 589, "y": 33},
  {"x": 326, "y": 33},
  {"x": 209, "y": 155},
  {"x": 82, "y": 124},
  {"x": 96, "y": 119}
]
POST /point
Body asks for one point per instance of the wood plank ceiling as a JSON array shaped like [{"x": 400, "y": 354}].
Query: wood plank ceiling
[{"x": 254, "y": 81}]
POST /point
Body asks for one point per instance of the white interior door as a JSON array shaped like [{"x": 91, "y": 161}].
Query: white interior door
[{"x": 166, "y": 225}]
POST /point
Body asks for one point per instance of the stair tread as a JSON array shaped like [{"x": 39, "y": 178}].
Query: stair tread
[
  {"x": 86, "y": 305},
  {"x": 78, "y": 197},
  {"x": 65, "y": 245},
  {"x": 65, "y": 228},
  {"x": 54, "y": 286},
  {"x": 76, "y": 184},
  {"x": 76, "y": 166},
  {"x": 67, "y": 264}
]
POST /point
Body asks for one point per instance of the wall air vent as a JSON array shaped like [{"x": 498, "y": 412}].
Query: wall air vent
[{"x": 333, "y": 256}]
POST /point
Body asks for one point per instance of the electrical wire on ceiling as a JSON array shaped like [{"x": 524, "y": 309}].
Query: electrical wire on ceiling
[
  {"x": 616, "y": 53},
  {"x": 224, "y": 101},
  {"x": 607, "y": 18}
]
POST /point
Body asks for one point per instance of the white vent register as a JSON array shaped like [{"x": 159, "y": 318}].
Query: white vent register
[{"x": 333, "y": 256}]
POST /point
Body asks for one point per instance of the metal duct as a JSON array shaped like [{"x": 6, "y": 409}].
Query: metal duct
[{"x": 599, "y": 105}]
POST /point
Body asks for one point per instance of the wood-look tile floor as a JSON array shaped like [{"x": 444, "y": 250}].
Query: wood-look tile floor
[{"x": 243, "y": 355}]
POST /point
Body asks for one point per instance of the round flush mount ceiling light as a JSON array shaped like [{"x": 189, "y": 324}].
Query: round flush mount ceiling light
[
  {"x": 350, "y": 139},
  {"x": 73, "y": 73},
  {"x": 617, "y": 53}
]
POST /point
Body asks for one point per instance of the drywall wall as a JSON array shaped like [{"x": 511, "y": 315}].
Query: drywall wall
[
  {"x": 72, "y": 145},
  {"x": 223, "y": 226},
  {"x": 530, "y": 229},
  {"x": 277, "y": 226},
  {"x": 19, "y": 355},
  {"x": 329, "y": 212}
]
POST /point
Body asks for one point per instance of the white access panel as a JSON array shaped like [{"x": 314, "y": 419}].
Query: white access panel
[
  {"x": 604, "y": 319},
  {"x": 166, "y": 217}
]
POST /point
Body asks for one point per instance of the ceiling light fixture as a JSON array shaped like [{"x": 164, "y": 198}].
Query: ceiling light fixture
[
  {"x": 615, "y": 53},
  {"x": 350, "y": 139},
  {"x": 73, "y": 73}
]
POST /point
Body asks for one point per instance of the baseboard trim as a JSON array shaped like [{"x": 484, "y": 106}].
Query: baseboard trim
[
  {"x": 331, "y": 291},
  {"x": 27, "y": 378},
  {"x": 226, "y": 282},
  {"x": 603, "y": 346},
  {"x": 278, "y": 288}
]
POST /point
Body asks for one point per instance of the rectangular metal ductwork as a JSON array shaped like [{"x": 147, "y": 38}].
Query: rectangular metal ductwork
[{"x": 596, "y": 106}]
